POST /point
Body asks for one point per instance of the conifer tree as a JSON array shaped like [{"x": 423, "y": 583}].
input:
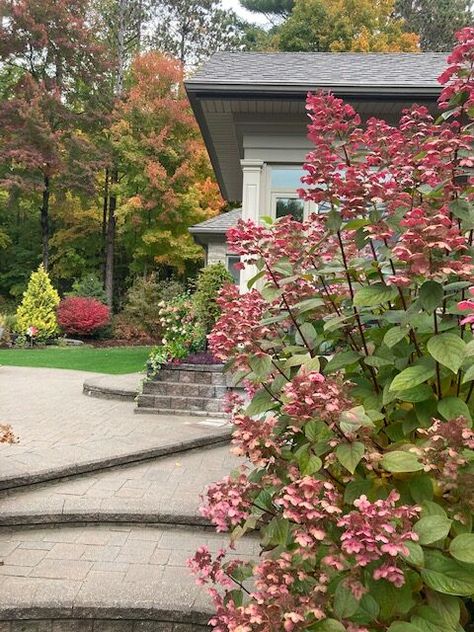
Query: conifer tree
[{"x": 38, "y": 307}]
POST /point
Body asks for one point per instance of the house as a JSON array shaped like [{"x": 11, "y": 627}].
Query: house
[{"x": 250, "y": 108}]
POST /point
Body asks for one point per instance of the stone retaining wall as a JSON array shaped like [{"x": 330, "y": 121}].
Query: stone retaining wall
[{"x": 186, "y": 389}]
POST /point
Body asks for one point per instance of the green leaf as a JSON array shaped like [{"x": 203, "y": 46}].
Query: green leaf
[
  {"x": 431, "y": 295},
  {"x": 328, "y": 625},
  {"x": 447, "y": 576},
  {"x": 276, "y": 532},
  {"x": 261, "y": 365},
  {"x": 310, "y": 465},
  {"x": 377, "y": 361},
  {"x": 447, "y": 349},
  {"x": 402, "y": 626},
  {"x": 338, "y": 322},
  {"x": 317, "y": 431},
  {"x": 447, "y": 608},
  {"x": 350, "y": 454},
  {"x": 345, "y": 604},
  {"x": 308, "y": 305},
  {"x": 412, "y": 376},
  {"x": 432, "y": 528},
  {"x": 415, "y": 553},
  {"x": 355, "y": 489},
  {"x": 420, "y": 393},
  {"x": 399, "y": 461},
  {"x": 469, "y": 374},
  {"x": 368, "y": 610},
  {"x": 423, "y": 625},
  {"x": 462, "y": 548},
  {"x": 341, "y": 360},
  {"x": 308, "y": 332},
  {"x": 453, "y": 407},
  {"x": 393, "y": 336},
  {"x": 261, "y": 402},
  {"x": 373, "y": 295}
]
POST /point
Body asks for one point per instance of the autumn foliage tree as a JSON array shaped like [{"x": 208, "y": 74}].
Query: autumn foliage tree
[
  {"x": 345, "y": 25},
  {"x": 51, "y": 47},
  {"x": 167, "y": 183},
  {"x": 355, "y": 345}
]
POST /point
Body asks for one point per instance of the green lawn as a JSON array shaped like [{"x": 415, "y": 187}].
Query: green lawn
[{"x": 102, "y": 360}]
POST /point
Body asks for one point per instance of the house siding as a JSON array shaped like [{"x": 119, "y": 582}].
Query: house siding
[{"x": 217, "y": 251}]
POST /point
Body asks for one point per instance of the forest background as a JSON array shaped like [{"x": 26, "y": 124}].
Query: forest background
[{"x": 102, "y": 166}]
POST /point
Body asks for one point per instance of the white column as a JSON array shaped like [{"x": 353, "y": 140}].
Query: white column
[{"x": 252, "y": 182}]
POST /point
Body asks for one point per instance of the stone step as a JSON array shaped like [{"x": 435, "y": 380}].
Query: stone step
[
  {"x": 117, "y": 387},
  {"x": 164, "y": 490},
  {"x": 191, "y": 404},
  {"x": 106, "y": 574},
  {"x": 144, "y": 410},
  {"x": 195, "y": 434},
  {"x": 184, "y": 389},
  {"x": 192, "y": 375}
]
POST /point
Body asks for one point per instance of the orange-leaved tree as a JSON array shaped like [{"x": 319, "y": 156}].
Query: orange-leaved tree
[{"x": 167, "y": 184}]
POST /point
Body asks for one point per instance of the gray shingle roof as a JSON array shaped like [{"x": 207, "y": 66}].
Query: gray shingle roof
[
  {"x": 217, "y": 225},
  {"x": 322, "y": 69}
]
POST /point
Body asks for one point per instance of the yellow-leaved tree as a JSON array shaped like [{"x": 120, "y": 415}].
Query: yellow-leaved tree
[{"x": 38, "y": 307}]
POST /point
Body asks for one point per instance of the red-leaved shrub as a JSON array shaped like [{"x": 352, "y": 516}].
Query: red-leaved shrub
[{"x": 82, "y": 316}]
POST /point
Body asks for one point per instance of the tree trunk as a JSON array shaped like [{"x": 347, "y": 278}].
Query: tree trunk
[
  {"x": 123, "y": 8},
  {"x": 110, "y": 243},
  {"x": 105, "y": 208},
  {"x": 44, "y": 219}
]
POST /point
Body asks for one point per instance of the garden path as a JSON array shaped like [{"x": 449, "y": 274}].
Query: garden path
[
  {"x": 63, "y": 432},
  {"x": 99, "y": 510}
]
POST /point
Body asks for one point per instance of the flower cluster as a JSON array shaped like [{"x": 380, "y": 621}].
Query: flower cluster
[
  {"x": 313, "y": 504},
  {"x": 444, "y": 453},
  {"x": 426, "y": 244},
  {"x": 467, "y": 305},
  {"x": 239, "y": 329},
  {"x": 228, "y": 502},
  {"x": 255, "y": 439},
  {"x": 310, "y": 395},
  {"x": 376, "y": 530}
]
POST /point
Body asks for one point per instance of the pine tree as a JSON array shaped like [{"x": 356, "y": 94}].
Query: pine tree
[
  {"x": 435, "y": 21},
  {"x": 38, "y": 307}
]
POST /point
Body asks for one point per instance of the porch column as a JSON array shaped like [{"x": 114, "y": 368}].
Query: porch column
[{"x": 252, "y": 174}]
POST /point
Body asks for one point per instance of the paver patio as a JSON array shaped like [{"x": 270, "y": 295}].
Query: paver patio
[
  {"x": 63, "y": 432},
  {"x": 104, "y": 550}
]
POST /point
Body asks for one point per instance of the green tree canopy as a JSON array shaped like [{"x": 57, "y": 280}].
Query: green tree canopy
[
  {"x": 435, "y": 21},
  {"x": 345, "y": 25}
]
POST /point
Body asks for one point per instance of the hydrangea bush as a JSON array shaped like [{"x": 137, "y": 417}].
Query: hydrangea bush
[{"x": 356, "y": 349}]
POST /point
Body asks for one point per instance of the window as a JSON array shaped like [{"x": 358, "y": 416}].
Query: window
[
  {"x": 232, "y": 260},
  {"x": 286, "y": 178},
  {"x": 284, "y": 181},
  {"x": 289, "y": 206}
]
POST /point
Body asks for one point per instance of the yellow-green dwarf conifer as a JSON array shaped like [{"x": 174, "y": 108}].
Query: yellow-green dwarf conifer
[{"x": 38, "y": 307}]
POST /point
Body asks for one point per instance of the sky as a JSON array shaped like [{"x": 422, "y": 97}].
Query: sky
[{"x": 243, "y": 13}]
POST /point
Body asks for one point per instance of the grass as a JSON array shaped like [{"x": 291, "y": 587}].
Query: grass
[{"x": 113, "y": 360}]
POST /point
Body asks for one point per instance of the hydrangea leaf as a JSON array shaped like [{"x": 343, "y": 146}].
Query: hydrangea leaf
[
  {"x": 462, "y": 548},
  {"x": 374, "y": 295},
  {"x": 350, "y": 454},
  {"x": 412, "y": 376},
  {"x": 447, "y": 349},
  {"x": 432, "y": 528},
  {"x": 452, "y": 407},
  {"x": 447, "y": 576},
  {"x": 399, "y": 461}
]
